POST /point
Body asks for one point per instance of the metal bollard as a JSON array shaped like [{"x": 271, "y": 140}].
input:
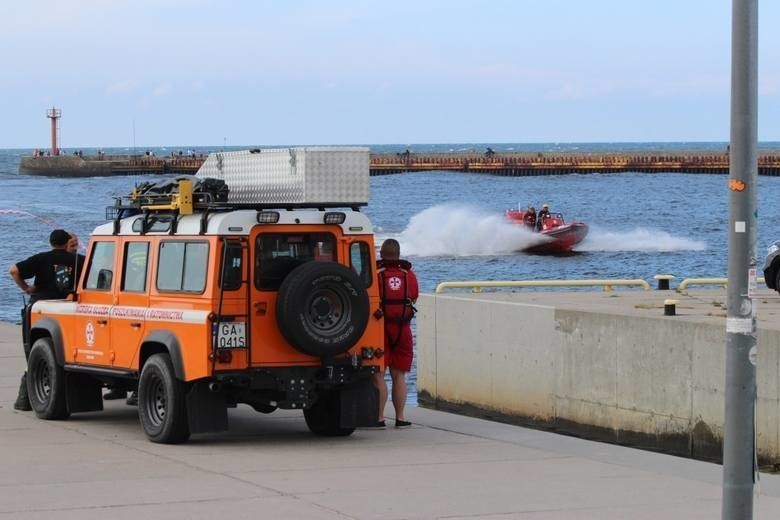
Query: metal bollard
[
  {"x": 663, "y": 281},
  {"x": 670, "y": 307}
]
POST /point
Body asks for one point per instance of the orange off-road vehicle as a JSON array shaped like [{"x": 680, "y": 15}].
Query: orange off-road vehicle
[{"x": 252, "y": 283}]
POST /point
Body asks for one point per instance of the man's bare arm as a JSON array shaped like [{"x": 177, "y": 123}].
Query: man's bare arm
[{"x": 24, "y": 286}]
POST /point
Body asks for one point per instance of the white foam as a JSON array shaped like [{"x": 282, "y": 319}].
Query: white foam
[
  {"x": 456, "y": 230},
  {"x": 637, "y": 239},
  {"x": 453, "y": 230}
]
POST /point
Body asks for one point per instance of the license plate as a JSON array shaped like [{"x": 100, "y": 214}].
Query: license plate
[{"x": 231, "y": 334}]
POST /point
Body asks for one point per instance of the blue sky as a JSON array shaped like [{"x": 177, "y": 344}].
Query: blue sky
[{"x": 203, "y": 72}]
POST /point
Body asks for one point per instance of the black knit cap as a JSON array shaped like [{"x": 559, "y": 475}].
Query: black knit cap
[{"x": 59, "y": 238}]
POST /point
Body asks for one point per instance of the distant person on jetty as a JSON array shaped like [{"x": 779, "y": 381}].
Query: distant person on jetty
[
  {"x": 55, "y": 272},
  {"x": 398, "y": 291}
]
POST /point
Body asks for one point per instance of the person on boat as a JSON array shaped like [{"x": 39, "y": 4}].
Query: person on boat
[
  {"x": 543, "y": 215},
  {"x": 398, "y": 290},
  {"x": 529, "y": 218}
]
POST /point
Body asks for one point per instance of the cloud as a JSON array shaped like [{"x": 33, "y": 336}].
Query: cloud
[
  {"x": 163, "y": 89},
  {"x": 571, "y": 91},
  {"x": 507, "y": 71},
  {"x": 124, "y": 86}
]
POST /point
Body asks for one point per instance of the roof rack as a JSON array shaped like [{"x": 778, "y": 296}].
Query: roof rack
[{"x": 186, "y": 196}]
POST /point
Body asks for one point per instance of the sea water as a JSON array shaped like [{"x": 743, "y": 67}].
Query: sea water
[{"x": 451, "y": 226}]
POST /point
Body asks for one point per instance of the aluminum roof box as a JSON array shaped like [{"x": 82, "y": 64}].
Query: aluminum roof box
[{"x": 305, "y": 176}]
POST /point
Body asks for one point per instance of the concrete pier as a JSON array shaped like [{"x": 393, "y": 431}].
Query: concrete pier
[
  {"x": 100, "y": 465},
  {"x": 107, "y": 165},
  {"x": 511, "y": 164},
  {"x": 602, "y": 365}
]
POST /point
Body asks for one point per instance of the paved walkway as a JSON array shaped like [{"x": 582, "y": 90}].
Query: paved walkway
[{"x": 100, "y": 466}]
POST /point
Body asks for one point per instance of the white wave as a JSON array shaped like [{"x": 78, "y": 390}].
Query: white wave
[
  {"x": 638, "y": 239},
  {"x": 456, "y": 230},
  {"x": 452, "y": 230}
]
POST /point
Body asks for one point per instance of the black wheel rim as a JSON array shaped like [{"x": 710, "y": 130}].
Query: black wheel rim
[
  {"x": 41, "y": 381},
  {"x": 156, "y": 401},
  {"x": 326, "y": 310}
]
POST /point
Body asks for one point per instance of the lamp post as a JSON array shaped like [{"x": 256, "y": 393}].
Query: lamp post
[{"x": 739, "y": 435}]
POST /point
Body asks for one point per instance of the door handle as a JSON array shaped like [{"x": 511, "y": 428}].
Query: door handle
[
  {"x": 102, "y": 322},
  {"x": 135, "y": 324}
]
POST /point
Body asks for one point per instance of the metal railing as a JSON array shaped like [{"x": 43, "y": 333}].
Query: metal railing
[
  {"x": 708, "y": 281},
  {"x": 477, "y": 286}
]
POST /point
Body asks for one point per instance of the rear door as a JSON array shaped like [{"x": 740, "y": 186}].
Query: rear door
[{"x": 276, "y": 253}]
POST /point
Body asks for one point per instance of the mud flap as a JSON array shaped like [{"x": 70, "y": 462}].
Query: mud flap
[
  {"x": 359, "y": 404},
  {"x": 26, "y": 330},
  {"x": 206, "y": 410},
  {"x": 83, "y": 393}
]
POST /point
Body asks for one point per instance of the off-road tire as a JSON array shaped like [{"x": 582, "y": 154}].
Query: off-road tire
[
  {"x": 162, "y": 407},
  {"x": 46, "y": 382},
  {"x": 322, "y": 308},
  {"x": 777, "y": 280},
  {"x": 323, "y": 416}
]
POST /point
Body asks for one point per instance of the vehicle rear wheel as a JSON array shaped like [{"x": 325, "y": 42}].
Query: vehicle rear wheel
[
  {"x": 322, "y": 308},
  {"x": 777, "y": 280},
  {"x": 324, "y": 415},
  {"x": 161, "y": 402},
  {"x": 46, "y": 382}
]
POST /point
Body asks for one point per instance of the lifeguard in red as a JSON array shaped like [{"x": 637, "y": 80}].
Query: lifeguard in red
[{"x": 398, "y": 291}]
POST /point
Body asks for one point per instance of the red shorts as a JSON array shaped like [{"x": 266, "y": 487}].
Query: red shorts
[{"x": 400, "y": 355}]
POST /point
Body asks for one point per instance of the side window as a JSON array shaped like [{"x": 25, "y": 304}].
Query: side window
[
  {"x": 232, "y": 270},
  {"x": 100, "y": 272},
  {"x": 182, "y": 266},
  {"x": 278, "y": 254},
  {"x": 170, "y": 267},
  {"x": 134, "y": 269},
  {"x": 360, "y": 259},
  {"x": 196, "y": 258}
]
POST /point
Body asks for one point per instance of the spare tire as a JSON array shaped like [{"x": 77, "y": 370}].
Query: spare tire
[{"x": 322, "y": 308}]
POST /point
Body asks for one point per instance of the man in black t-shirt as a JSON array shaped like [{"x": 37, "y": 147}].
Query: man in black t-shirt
[{"x": 55, "y": 274}]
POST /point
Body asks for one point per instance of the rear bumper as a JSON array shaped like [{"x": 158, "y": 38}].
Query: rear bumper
[{"x": 294, "y": 387}]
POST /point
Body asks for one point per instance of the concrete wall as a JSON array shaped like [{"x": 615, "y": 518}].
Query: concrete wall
[
  {"x": 641, "y": 381},
  {"x": 64, "y": 165}
]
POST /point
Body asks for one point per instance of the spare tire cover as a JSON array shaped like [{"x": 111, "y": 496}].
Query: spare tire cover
[{"x": 322, "y": 308}]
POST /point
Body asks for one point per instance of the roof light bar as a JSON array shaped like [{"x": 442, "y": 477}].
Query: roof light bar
[
  {"x": 335, "y": 217},
  {"x": 268, "y": 217}
]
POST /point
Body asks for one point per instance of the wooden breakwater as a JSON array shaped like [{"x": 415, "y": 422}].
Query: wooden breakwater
[
  {"x": 522, "y": 164},
  {"x": 512, "y": 164}
]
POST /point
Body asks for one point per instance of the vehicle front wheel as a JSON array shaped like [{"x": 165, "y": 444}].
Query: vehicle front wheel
[
  {"x": 777, "y": 281},
  {"x": 46, "y": 382},
  {"x": 323, "y": 417},
  {"x": 161, "y": 402}
]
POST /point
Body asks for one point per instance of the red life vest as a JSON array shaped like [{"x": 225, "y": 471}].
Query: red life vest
[{"x": 398, "y": 290}]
